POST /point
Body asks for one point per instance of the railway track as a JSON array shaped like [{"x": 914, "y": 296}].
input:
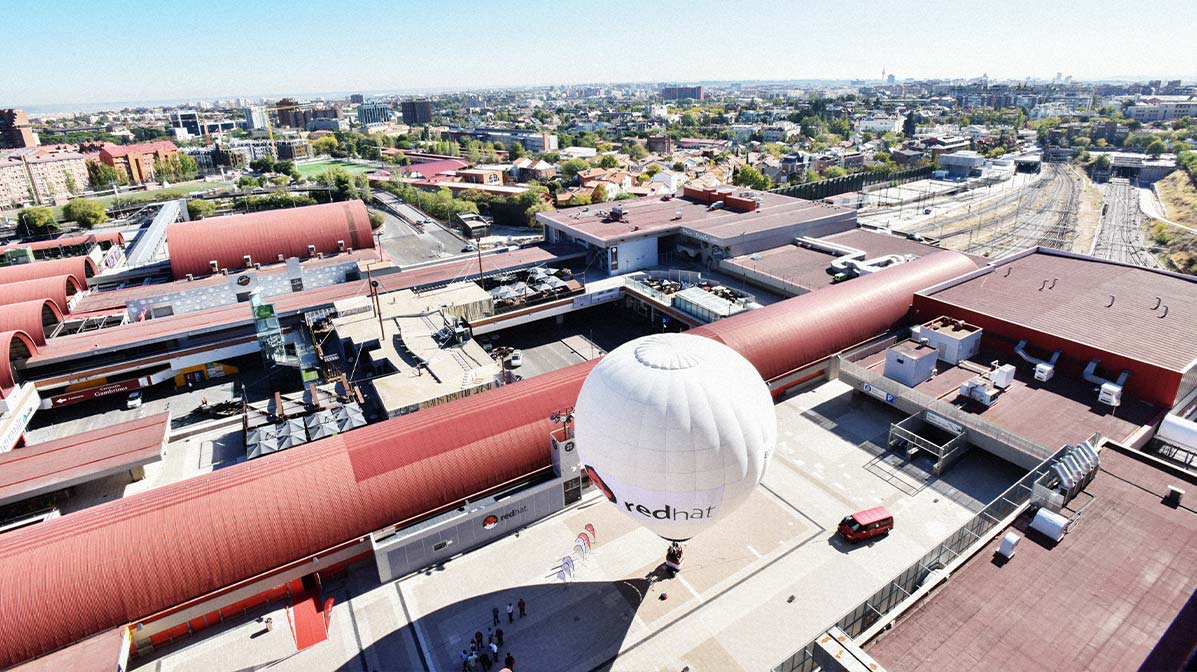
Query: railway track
[
  {"x": 1121, "y": 236},
  {"x": 1046, "y": 216}
]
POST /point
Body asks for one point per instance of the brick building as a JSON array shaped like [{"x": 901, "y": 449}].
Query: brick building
[
  {"x": 41, "y": 175},
  {"x": 137, "y": 161},
  {"x": 15, "y": 131}
]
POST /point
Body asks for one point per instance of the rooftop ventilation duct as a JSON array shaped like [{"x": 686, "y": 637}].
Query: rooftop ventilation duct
[
  {"x": 1108, "y": 392},
  {"x": 1044, "y": 370}
]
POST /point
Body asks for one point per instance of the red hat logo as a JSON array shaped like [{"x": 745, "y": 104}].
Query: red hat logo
[{"x": 490, "y": 521}]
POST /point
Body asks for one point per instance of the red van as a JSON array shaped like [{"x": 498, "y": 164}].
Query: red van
[{"x": 866, "y": 524}]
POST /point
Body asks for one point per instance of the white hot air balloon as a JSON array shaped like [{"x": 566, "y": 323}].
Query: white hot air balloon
[{"x": 676, "y": 430}]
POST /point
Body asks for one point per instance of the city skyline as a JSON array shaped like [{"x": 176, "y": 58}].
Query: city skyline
[{"x": 402, "y": 53}]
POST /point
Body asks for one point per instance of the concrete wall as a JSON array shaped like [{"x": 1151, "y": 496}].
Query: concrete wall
[
  {"x": 635, "y": 255},
  {"x": 406, "y": 552}
]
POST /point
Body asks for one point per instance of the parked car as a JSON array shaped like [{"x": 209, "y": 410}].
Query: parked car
[
  {"x": 866, "y": 524},
  {"x": 517, "y": 359},
  {"x": 133, "y": 400},
  {"x": 470, "y": 247}
]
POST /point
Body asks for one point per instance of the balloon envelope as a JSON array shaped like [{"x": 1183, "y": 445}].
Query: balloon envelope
[{"x": 676, "y": 430}]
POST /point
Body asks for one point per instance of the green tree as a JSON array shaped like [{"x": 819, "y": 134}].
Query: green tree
[
  {"x": 747, "y": 176},
  {"x": 515, "y": 151},
  {"x": 833, "y": 171},
  {"x": 326, "y": 145},
  {"x": 198, "y": 208},
  {"x": 262, "y": 165},
  {"x": 1102, "y": 162},
  {"x": 376, "y": 220},
  {"x": 1155, "y": 148},
  {"x": 247, "y": 182},
  {"x": 85, "y": 212},
  {"x": 104, "y": 175},
  {"x": 607, "y": 161},
  {"x": 71, "y": 185},
  {"x": 571, "y": 167},
  {"x": 909, "y": 126},
  {"x": 186, "y": 167},
  {"x": 38, "y": 220},
  {"x": 840, "y": 127},
  {"x": 679, "y": 167},
  {"x": 636, "y": 150},
  {"x": 599, "y": 194},
  {"x": 287, "y": 168}
]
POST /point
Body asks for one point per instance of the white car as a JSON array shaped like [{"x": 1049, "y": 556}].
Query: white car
[
  {"x": 517, "y": 359},
  {"x": 134, "y": 400}
]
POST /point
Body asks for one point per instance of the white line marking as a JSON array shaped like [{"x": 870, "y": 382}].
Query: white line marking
[
  {"x": 681, "y": 579},
  {"x": 755, "y": 552}
]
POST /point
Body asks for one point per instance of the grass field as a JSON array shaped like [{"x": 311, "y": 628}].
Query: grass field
[
  {"x": 314, "y": 169},
  {"x": 1180, "y": 200},
  {"x": 165, "y": 193}
]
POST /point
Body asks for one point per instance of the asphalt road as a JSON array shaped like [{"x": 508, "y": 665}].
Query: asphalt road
[{"x": 405, "y": 245}]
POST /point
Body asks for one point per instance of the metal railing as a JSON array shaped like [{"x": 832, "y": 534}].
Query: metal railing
[
  {"x": 873, "y": 610},
  {"x": 854, "y": 374}
]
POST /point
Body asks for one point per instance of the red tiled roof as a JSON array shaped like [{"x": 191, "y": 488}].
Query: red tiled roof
[
  {"x": 266, "y": 235},
  {"x": 193, "y": 537},
  {"x": 7, "y": 379},
  {"x": 30, "y": 317},
  {"x": 81, "y": 267},
  {"x": 56, "y": 288},
  {"x": 53, "y": 465},
  {"x": 139, "y": 148}
]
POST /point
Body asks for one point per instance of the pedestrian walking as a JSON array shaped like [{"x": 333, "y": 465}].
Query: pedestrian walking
[
  {"x": 465, "y": 661},
  {"x": 485, "y": 660},
  {"x": 523, "y": 605},
  {"x": 499, "y": 636},
  {"x": 509, "y": 662},
  {"x": 510, "y": 611},
  {"x": 473, "y": 661},
  {"x": 494, "y": 651},
  {"x": 494, "y": 612}
]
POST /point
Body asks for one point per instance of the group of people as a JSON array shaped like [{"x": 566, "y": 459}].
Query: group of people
[{"x": 484, "y": 650}]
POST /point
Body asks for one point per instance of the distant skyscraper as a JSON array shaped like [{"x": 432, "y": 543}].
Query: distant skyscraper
[
  {"x": 357, "y": 98},
  {"x": 373, "y": 113},
  {"x": 891, "y": 78},
  {"x": 682, "y": 93},
  {"x": 417, "y": 112},
  {"x": 255, "y": 117}
]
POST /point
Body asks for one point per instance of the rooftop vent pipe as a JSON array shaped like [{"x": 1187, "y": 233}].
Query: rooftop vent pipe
[
  {"x": 1092, "y": 377},
  {"x": 1021, "y": 351}
]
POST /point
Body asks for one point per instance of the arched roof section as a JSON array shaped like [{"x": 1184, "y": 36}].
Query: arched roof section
[
  {"x": 82, "y": 268},
  {"x": 792, "y": 334},
  {"x": 14, "y": 346},
  {"x": 36, "y": 318},
  {"x": 59, "y": 289},
  {"x": 191, "y": 538},
  {"x": 264, "y": 236}
]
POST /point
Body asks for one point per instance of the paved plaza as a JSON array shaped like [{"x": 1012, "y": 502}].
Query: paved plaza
[{"x": 754, "y": 588}]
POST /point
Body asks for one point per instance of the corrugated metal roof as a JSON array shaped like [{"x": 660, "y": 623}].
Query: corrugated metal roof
[
  {"x": 834, "y": 318},
  {"x": 9, "y": 339},
  {"x": 193, "y": 537},
  {"x": 53, "y": 465},
  {"x": 57, "y": 288},
  {"x": 94, "y": 654},
  {"x": 266, "y": 235},
  {"x": 114, "y": 237},
  {"x": 1070, "y": 297},
  {"x": 81, "y": 267},
  {"x": 31, "y": 317}
]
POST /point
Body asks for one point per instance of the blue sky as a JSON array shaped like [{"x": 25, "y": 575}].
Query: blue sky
[{"x": 70, "y": 51}]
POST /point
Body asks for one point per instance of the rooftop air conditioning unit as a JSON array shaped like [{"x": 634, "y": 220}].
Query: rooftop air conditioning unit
[
  {"x": 341, "y": 245},
  {"x": 282, "y": 257},
  {"x": 247, "y": 261},
  {"x": 1003, "y": 376},
  {"x": 1044, "y": 372},
  {"x": 190, "y": 277},
  {"x": 1110, "y": 394},
  {"x": 311, "y": 250},
  {"x": 214, "y": 266}
]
